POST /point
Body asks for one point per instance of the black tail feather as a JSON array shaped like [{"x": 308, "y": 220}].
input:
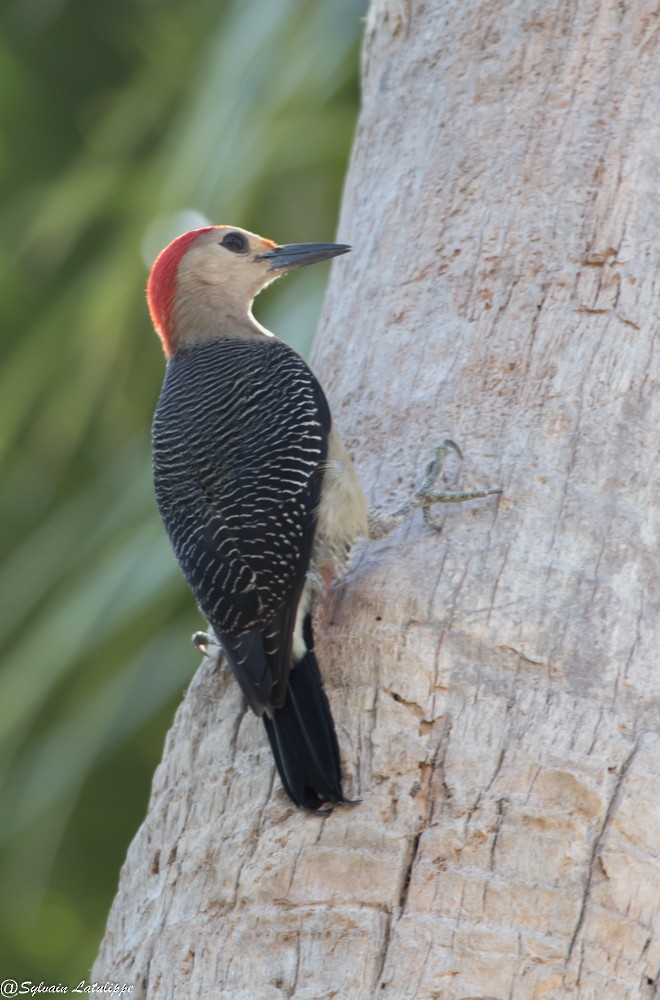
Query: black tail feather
[{"x": 303, "y": 739}]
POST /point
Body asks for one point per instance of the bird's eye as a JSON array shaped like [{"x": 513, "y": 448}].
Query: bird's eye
[{"x": 235, "y": 242}]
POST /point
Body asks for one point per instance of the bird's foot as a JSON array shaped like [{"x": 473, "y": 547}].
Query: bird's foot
[
  {"x": 427, "y": 495},
  {"x": 201, "y": 641},
  {"x": 381, "y": 524},
  {"x": 208, "y": 645}
]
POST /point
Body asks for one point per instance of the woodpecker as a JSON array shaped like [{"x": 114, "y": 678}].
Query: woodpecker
[{"x": 257, "y": 493}]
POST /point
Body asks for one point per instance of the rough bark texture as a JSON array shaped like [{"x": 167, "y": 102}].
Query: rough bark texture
[{"x": 496, "y": 686}]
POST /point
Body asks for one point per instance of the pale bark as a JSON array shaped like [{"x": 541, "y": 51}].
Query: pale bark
[{"x": 496, "y": 687}]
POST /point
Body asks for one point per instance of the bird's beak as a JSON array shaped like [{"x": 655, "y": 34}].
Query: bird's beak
[{"x": 299, "y": 254}]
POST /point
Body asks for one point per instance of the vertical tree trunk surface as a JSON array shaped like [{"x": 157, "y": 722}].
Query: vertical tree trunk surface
[{"x": 496, "y": 686}]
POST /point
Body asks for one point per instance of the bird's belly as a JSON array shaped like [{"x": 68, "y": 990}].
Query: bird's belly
[{"x": 342, "y": 513}]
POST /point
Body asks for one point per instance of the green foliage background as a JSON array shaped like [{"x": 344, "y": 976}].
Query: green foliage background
[{"x": 120, "y": 120}]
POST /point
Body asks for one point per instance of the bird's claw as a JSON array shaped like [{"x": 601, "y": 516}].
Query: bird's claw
[{"x": 435, "y": 466}]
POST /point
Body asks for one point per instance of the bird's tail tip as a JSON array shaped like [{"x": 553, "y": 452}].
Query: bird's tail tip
[{"x": 304, "y": 742}]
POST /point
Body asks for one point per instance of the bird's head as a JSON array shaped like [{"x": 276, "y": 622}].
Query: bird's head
[{"x": 202, "y": 285}]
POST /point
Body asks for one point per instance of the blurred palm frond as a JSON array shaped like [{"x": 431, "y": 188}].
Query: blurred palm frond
[{"x": 123, "y": 124}]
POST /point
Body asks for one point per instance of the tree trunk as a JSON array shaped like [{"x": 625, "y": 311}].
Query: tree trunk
[{"x": 495, "y": 686}]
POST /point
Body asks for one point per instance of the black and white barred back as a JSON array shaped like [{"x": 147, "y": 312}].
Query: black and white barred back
[{"x": 239, "y": 440}]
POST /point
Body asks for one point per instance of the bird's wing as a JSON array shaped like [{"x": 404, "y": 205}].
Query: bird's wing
[{"x": 240, "y": 438}]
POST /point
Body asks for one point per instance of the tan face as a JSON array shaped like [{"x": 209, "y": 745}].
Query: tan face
[
  {"x": 225, "y": 259},
  {"x": 202, "y": 285}
]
